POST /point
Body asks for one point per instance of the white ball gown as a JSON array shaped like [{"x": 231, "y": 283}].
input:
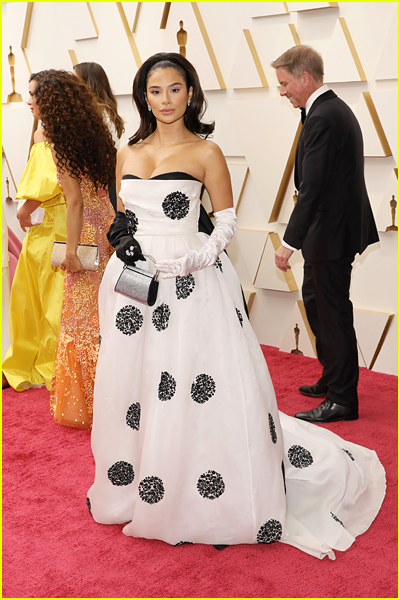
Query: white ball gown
[{"x": 188, "y": 441}]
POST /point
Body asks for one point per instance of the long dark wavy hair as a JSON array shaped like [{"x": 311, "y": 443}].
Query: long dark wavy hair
[
  {"x": 194, "y": 112},
  {"x": 96, "y": 78},
  {"x": 38, "y": 76},
  {"x": 73, "y": 122}
]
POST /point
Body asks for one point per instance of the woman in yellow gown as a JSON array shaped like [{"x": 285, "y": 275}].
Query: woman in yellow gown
[
  {"x": 37, "y": 290},
  {"x": 85, "y": 156}
]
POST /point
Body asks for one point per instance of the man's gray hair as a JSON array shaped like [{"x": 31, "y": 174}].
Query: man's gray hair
[{"x": 298, "y": 59}]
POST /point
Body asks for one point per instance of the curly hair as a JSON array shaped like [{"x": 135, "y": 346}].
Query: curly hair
[
  {"x": 194, "y": 112},
  {"x": 73, "y": 122},
  {"x": 38, "y": 76},
  {"x": 96, "y": 78}
]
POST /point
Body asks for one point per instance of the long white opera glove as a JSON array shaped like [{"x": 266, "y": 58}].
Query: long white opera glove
[{"x": 184, "y": 263}]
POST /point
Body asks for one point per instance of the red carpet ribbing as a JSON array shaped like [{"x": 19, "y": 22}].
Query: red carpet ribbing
[{"x": 53, "y": 548}]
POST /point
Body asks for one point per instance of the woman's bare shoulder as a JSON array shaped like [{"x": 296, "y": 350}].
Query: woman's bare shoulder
[
  {"x": 38, "y": 136},
  {"x": 209, "y": 153},
  {"x": 128, "y": 150}
]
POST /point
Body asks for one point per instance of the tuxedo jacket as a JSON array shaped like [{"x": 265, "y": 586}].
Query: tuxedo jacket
[{"x": 332, "y": 218}]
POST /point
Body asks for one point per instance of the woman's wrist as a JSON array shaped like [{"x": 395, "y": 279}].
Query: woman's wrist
[{"x": 70, "y": 252}]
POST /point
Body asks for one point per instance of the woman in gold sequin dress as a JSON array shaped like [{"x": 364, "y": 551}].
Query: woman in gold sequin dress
[{"x": 84, "y": 153}]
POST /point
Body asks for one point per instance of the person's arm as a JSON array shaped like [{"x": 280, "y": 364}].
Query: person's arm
[
  {"x": 319, "y": 150},
  {"x": 29, "y": 206},
  {"x": 126, "y": 247},
  {"x": 316, "y": 170},
  {"x": 24, "y": 213},
  {"x": 217, "y": 180},
  {"x": 282, "y": 255},
  {"x": 118, "y": 174},
  {"x": 218, "y": 184},
  {"x": 74, "y": 200}
]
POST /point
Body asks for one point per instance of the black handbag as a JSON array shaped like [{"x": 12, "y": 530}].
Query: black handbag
[{"x": 138, "y": 284}]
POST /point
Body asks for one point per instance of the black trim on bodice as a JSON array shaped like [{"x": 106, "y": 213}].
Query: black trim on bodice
[
  {"x": 165, "y": 176},
  {"x": 182, "y": 176}
]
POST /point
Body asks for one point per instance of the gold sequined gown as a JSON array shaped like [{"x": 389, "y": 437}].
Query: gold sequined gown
[
  {"x": 36, "y": 295},
  {"x": 71, "y": 399}
]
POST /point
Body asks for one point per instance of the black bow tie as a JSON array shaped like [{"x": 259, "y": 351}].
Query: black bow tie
[{"x": 303, "y": 114}]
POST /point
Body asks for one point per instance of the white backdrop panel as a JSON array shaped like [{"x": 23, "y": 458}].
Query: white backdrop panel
[
  {"x": 196, "y": 50},
  {"x": 386, "y": 103},
  {"x": 266, "y": 129},
  {"x": 111, "y": 49},
  {"x": 148, "y": 36}
]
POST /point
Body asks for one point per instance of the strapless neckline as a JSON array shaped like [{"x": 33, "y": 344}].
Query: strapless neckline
[{"x": 165, "y": 176}]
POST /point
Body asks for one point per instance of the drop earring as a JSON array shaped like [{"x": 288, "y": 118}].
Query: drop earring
[
  {"x": 149, "y": 107},
  {"x": 189, "y": 103}
]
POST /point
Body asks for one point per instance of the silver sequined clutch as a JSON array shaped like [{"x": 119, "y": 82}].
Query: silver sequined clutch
[
  {"x": 88, "y": 254},
  {"x": 138, "y": 284}
]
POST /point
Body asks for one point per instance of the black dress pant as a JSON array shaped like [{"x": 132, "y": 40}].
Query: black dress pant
[{"x": 325, "y": 290}]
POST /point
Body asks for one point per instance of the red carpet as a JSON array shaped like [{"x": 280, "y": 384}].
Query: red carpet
[{"x": 52, "y": 548}]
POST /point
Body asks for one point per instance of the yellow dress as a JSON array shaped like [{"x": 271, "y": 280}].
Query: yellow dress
[
  {"x": 37, "y": 289},
  {"x": 71, "y": 398}
]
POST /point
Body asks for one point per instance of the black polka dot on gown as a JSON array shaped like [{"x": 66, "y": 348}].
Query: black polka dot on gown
[
  {"x": 270, "y": 532},
  {"x": 300, "y": 457},
  {"x": 182, "y": 543},
  {"x": 129, "y": 320},
  {"x": 88, "y": 504},
  {"x": 131, "y": 221},
  {"x": 210, "y": 485},
  {"x": 151, "y": 490},
  {"x": 121, "y": 473},
  {"x": 203, "y": 388},
  {"x": 335, "y": 518},
  {"x": 218, "y": 265},
  {"x": 176, "y": 206},
  {"x": 161, "y": 317},
  {"x": 239, "y": 316},
  {"x": 272, "y": 429},
  {"x": 184, "y": 286},
  {"x": 349, "y": 454},
  {"x": 133, "y": 416},
  {"x": 166, "y": 387}
]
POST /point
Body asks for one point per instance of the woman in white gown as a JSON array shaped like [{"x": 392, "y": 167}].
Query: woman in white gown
[{"x": 188, "y": 442}]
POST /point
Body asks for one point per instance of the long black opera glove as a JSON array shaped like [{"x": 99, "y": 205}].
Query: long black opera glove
[{"x": 126, "y": 247}]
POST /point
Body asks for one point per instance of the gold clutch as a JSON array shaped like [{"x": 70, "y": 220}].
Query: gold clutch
[{"x": 88, "y": 254}]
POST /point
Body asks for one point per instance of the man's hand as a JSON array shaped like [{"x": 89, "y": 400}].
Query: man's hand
[{"x": 282, "y": 255}]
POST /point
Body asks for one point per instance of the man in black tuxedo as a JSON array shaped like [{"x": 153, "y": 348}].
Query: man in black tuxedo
[{"x": 331, "y": 222}]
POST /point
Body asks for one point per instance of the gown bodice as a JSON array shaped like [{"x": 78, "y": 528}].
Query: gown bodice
[{"x": 167, "y": 204}]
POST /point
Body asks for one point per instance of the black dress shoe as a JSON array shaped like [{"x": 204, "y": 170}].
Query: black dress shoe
[
  {"x": 318, "y": 389},
  {"x": 220, "y": 546},
  {"x": 327, "y": 412}
]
